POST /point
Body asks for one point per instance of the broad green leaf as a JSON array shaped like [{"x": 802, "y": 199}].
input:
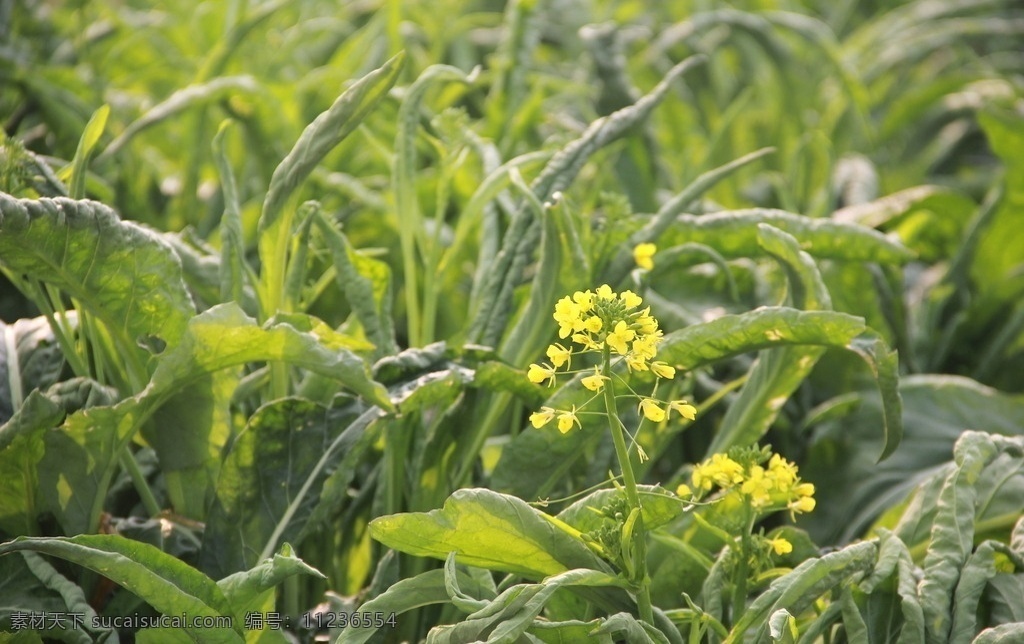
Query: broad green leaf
[
  {"x": 123, "y": 274},
  {"x": 367, "y": 286},
  {"x": 244, "y": 590},
  {"x": 1002, "y": 634},
  {"x": 979, "y": 569},
  {"x": 28, "y": 448},
  {"x": 734, "y": 234},
  {"x": 169, "y": 585},
  {"x": 779, "y": 371},
  {"x": 488, "y": 530},
  {"x": 269, "y": 483},
  {"x": 178, "y": 102},
  {"x": 30, "y": 585},
  {"x": 319, "y": 138},
  {"x": 853, "y": 490},
  {"x": 422, "y": 590},
  {"x": 952, "y": 535},
  {"x": 797, "y": 590},
  {"x": 219, "y": 338}
]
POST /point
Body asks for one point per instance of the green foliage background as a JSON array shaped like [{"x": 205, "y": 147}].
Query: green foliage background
[{"x": 272, "y": 273}]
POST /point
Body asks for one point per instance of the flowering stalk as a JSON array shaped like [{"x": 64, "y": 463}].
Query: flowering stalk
[
  {"x": 615, "y": 328},
  {"x": 643, "y": 593},
  {"x": 753, "y": 483}
]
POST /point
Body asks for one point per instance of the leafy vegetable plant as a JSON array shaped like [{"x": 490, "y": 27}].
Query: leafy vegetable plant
[{"x": 302, "y": 335}]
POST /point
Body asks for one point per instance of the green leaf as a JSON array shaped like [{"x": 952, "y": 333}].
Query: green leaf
[
  {"x": 169, "y": 585},
  {"x": 852, "y": 490},
  {"x": 319, "y": 138},
  {"x": 28, "y": 584},
  {"x": 219, "y": 338},
  {"x": 80, "y": 164},
  {"x": 293, "y": 441},
  {"x": 235, "y": 274},
  {"x": 953, "y": 531},
  {"x": 422, "y": 590},
  {"x": 123, "y": 274},
  {"x": 797, "y": 590},
  {"x": 1002, "y": 634},
  {"x": 979, "y": 569},
  {"x": 30, "y": 358},
  {"x": 488, "y": 530},
  {"x": 178, "y": 102},
  {"x": 30, "y": 453},
  {"x": 735, "y": 234},
  {"x": 245, "y": 590},
  {"x": 366, "y": 283}
]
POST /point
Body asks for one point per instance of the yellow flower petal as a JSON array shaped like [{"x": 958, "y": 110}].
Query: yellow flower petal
[
  {"x": 651, "y": 410},
  {"x": 780, "y": 546},
  {"x": 594, "y": 382},
  {"x": 643, "y": 255},
  {"x": 663, "y": 370}
]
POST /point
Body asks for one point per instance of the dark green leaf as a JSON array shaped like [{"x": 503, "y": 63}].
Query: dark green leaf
[
  {"x": 123, "y": 274},
  {"x": 169, "y": 585}
]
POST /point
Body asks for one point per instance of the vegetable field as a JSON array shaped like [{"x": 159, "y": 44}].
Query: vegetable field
[{"x": 526, "y": 321}]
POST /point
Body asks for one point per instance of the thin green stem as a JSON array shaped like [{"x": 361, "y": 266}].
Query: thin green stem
[
  {"x": 741, "y": 572},
  {"x": 643, "y": 591},
  {"x": 139, "y": 482}
]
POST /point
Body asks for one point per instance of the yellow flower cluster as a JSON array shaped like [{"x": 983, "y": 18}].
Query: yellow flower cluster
[
  {"x": 610, "y": 324},
  {"x": 775, "y": 485}
]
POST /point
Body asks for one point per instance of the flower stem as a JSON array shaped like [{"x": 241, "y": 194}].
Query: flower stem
[{"x": 643, "y": 591}]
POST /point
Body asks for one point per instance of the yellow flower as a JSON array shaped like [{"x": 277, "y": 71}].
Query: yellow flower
[
  {"x": 592, "y": 324},
  {"x": 663, "y": 370},
  {"x": 645, "y": 346},
  {"x": 539, "y": 374},
  {"x": 596, "y": 381},
  {"x": 585, "y": 340},
  {"x": 567, "y": 314},
  {"x": 585, "y": 299},
  {"x": 684, "y": 490},
  {"x": 720, "y": 470},
  {"x": 782, "y": 472},
  {"x": 643, "y": 255},
  {"x": 630, "y": 299},
  {"x": 685, "y": 409},
  {"x": 804, "y": 489},
  {"x": 802, "y": 505},
  {"x": 635, "y": 362},
  {"x": 646, "y": 322},
  {"x": 651, "y": 410},
  {"x": 618, "y": 338},
  {"x": 540, "y": 418},
  {"x": 780, "y": 546},
  {"x": 566, "y": 420},
  {"x": 559, "y": 355},
  {"x": 605, "y": 292},
  {"x": 758, "y": 487}
]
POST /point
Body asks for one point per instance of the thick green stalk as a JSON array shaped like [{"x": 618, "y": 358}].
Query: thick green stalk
[{"x": 643, "y": 592}]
